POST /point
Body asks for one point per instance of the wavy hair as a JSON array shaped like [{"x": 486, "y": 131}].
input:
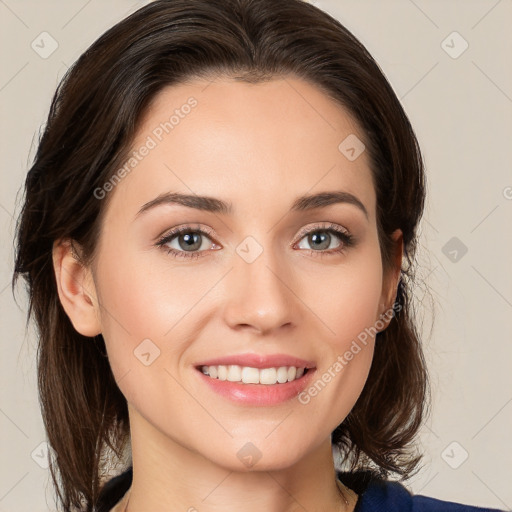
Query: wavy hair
[{"x": 93, "y": 118}]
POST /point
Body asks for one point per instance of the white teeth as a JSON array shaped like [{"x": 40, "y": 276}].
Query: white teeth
[
  {"x": 268, "y": 376},
  {"x": 222, "y": 372},
  {"x": 234, "y": 373},
  {"x": 212, "y": 372},
  {"x": 282, "y": 374},
  {"x": 249, "y": 375}
]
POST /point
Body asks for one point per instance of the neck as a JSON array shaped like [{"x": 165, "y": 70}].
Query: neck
[{"x": 168, "y": 476}]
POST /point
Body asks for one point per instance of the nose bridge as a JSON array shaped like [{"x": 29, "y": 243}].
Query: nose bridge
[{"x": 258, "y": 292}]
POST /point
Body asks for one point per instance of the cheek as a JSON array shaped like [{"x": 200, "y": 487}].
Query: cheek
[
  {"x": 150, "y": 313},
  {"x": 138, "y": 313},
  {"x": 138, "y": 309},
  {"x": 349, "y": 301},
  {"x": 141, "y": 295},
  {"x": 349, "y": 309}
]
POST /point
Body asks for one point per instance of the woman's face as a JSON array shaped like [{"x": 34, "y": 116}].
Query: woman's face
[{"x": 245, "y": 281}]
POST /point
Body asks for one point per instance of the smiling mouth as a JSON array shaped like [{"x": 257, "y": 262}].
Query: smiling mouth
[{"x": 249, "y": 375}]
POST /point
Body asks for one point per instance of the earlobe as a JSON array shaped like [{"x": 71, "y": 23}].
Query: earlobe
[{"x": 76, "y": 289}]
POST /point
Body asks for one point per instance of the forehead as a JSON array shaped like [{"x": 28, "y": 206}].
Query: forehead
[{"x": 267, "y": 143}]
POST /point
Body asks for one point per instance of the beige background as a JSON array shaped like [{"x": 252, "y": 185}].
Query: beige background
[{"x": 461, "y": 109}]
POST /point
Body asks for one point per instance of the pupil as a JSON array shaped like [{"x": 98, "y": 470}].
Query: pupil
[
  {"x": 191, "y": 241},
  {"x": 322, "y": 238}
]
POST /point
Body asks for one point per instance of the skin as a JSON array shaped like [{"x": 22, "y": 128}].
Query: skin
[{"x": 258, "y": 146}]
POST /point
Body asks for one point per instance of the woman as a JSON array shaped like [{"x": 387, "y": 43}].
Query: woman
[{"x": 193, "y": 158}]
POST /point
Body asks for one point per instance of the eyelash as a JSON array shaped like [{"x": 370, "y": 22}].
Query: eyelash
[{"x": 347, "y": 240}]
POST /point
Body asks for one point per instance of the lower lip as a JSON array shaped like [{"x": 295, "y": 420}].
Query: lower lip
[{"x": 258, "y": 394}]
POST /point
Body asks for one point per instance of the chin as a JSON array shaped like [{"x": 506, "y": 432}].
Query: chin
[{"x": 250, "y": 456}]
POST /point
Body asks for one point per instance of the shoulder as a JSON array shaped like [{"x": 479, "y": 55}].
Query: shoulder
[{"x": 380, "y": 495}]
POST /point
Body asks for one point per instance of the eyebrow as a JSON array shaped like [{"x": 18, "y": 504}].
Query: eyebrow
[{"x": 214, "y": 205}]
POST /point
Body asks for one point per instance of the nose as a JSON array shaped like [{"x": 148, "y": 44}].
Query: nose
[{"x": 260, "y": 296}]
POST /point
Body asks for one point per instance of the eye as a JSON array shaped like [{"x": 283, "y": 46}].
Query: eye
[
  {"x": 187, "y": 242},
  {"x": 321, "y": 238}
]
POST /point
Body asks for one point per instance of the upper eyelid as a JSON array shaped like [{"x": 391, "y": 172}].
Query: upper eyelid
[{"x": 328, "y": 227}]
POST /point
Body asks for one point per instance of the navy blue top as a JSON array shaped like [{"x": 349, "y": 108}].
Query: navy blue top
[
  {"x": 375, "y": 495},
  {"x": 378, "y": 495}
]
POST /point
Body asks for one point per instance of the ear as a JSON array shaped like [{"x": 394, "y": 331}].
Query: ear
[
  {"x": 75, "y": 285},
  {"x": 391, "y": 279}
]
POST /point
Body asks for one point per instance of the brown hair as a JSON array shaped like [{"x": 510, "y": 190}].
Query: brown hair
[{"x": 93, "y": 118}]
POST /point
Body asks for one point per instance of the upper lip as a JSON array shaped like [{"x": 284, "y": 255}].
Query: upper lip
[{"x": 258, "y": 361}]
